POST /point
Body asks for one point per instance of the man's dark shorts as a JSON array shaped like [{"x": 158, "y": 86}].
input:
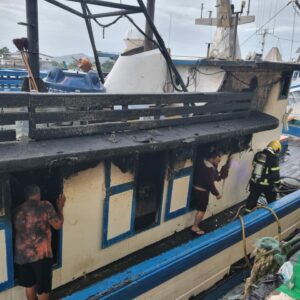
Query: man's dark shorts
[
  {"x": 38, "y": 273},
  {"x": 200, "y": 200}
]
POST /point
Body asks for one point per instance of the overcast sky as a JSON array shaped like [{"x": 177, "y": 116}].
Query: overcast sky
[{"x": 63, "y": 33}]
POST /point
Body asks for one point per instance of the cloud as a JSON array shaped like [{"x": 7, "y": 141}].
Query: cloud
[{"x": 63, "y": 33}]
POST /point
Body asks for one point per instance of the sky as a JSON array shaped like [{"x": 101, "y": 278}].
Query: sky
[{"x": 62, "y": 33}]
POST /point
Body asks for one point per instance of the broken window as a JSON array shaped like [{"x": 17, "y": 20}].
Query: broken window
[
  {"x": 149, "y": 189},
  {"x": 285, "y": 85},
  {"x": 51, "y": 185}
]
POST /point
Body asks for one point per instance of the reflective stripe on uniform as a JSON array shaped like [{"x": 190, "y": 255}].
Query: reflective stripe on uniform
[
  {"x": 265, "y": 182},
  {"x": 275, "y": 169}
]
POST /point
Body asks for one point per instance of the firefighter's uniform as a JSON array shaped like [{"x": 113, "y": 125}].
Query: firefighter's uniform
[{"x": 265, "y": 176}]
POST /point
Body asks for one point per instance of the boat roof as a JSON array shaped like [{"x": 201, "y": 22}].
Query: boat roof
[{"x": 37, "y": 154}]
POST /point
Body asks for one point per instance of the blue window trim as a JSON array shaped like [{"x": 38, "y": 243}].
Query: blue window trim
[
  {"x": 5, "y": 225},
  {"x": 110, "y": 191},
  {"x": 149, "y": 274},
  {"x": 188, "y": 171}
]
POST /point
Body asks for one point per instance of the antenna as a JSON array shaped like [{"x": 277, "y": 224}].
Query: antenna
[
  {"x": 248, "y": 9},
  {"x": 202, "y": 8}
]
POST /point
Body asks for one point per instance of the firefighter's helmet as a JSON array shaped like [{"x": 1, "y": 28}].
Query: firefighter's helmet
[{"x": 275, "y": 146}]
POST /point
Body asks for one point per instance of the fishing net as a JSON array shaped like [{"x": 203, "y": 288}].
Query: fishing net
[{"x": 268, "y": 259}]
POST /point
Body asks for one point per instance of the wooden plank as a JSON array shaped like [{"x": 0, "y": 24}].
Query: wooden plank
[
  {"x": 7, "y": 135},
  {"x": 14, "y": 99},
  {"x": 108, "y": 100},
  {"x": 60, "y": 132},
  {"x": 130, "y": 114},
  {"x": 11, "y": 118}
]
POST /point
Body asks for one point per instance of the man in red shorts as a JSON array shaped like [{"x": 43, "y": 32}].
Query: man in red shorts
[
  {"x": 33, "y": 252},
  {"x": 206, "y": 173}
]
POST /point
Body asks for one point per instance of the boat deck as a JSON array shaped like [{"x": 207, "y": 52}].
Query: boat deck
[{"x": 290, "y": 167}]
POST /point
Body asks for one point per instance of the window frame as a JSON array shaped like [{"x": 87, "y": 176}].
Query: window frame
[
  {"x": 177, "y": 174},
  {"x": 6, "y": 225}
]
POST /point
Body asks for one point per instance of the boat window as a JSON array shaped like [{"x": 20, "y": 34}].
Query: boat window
[
  {"x": 149, "y": 189},
  {"x": 295, "y": 75},
  {"x": 285, "y": 86},
  {"x": 50, "y": 183}
]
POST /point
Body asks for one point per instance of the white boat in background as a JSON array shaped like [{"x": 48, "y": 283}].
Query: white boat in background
[{"x": 294, "y": 96}]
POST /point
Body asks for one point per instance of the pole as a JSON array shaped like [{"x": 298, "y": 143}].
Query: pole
[
  {"x": 148, "y": 45},
  {"x": 33, "y": 36},
  {"x": 91, "y": 36},
  {"x": 208, "y": 50},
  {"x": 248, "y": 10},
  {"x": 235, "y": 33}
]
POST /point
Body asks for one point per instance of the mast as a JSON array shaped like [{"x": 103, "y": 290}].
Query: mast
[
  {"x": 226, "y": 22},
  {"x": 148, "y": 45}
]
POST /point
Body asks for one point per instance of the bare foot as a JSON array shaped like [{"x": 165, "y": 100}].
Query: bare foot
[{"x": 197, "y": 230}]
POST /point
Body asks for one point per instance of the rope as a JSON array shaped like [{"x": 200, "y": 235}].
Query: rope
[
  {"x": 245, "y": 242},
  {"x": 103, "y": 26},
  {"x": 260, "y": 86},
  {"x": 279, "y": 229},
  {"x": 276, "y": 218}
]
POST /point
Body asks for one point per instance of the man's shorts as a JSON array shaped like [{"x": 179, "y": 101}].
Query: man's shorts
[
  {"x": 200, "y": 199},
  {"x": 37, "y": 273}
]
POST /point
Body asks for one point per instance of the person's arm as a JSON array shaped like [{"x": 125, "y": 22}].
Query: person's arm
[
  {"x": 56, "y": 220},
  {"x": 211, "y": 182},
  {"x": 274, "y": 170},
  {"x": 223, "y": 174}
]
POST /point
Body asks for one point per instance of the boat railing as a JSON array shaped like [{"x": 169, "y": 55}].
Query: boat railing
[
  {"x": 11, "y": 80},
  {"x": 41, "y": 116}
]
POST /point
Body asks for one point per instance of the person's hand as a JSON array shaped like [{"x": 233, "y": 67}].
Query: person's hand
[
  {"x": 219, "y": 197},
  {"x": 61, "y": 201}
]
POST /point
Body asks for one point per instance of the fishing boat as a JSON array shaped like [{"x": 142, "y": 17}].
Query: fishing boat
[
  {"x": 293, "y": 108},
  {"x": 125, "y": 160}
]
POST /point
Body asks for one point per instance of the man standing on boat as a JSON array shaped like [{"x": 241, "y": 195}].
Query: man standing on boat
[
  {"x": 265, "y": 175},
  {"x": 206, "y": 174},
  {"x": 33, "y": 251}
]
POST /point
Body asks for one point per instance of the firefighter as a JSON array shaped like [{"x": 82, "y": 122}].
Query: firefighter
[{"x": 265, "y": 175}]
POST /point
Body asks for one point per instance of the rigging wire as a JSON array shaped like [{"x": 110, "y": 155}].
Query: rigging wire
[
  {"x": 293, "y": 35},
  {"x": 161, "y": 50},
  {"x": 296, "y": 8},
  {"x": 275, "y": 19},
  {"x": 283, "y": 39},
  {"x": 103, "y": 26},
  {"x": 267, "y": 22}
]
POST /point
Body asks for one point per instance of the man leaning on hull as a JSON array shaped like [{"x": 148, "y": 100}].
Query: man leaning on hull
[{"x": 33, "y": 252}]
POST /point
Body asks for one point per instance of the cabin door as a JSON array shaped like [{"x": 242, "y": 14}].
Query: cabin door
[{"x": 6, "y": 251}]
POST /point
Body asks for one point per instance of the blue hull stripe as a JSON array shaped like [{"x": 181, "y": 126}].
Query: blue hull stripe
[
  {"x": 293, "y": 130},
  {"x": 155, "y": 271}
]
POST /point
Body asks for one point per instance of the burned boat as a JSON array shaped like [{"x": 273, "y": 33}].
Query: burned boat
[{"x": 126, "y": 161}]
